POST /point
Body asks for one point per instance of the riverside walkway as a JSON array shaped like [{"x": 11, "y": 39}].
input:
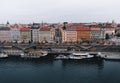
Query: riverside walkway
[{"x": 69, "y": 47}]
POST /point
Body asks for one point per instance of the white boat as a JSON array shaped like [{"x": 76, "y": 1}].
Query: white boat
[
  {"x": 96, "y": 54},
  {"x": 80, "y": 56},
  {"x": 108, "y": 57},
  {"x": 33, "y": 55},
  {"x": 29, "y": 56},
  {"x": 44, "y": 53},
  {"x": 3, "y": 55},
  {"x": 61, "y": 56}
]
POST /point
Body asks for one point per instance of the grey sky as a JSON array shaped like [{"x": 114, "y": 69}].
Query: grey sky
[{"x": 28, "y": 11}]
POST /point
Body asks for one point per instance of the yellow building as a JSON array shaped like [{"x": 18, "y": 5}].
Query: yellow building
[{"x": 25, "y": 35}]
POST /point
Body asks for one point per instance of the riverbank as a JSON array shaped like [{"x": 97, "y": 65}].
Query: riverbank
[
  {"x": 62, "y": 47},
  {"x": 18, "y": 52}
]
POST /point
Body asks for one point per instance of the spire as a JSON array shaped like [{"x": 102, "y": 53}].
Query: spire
[
  {"x": 7, "y": 23},
  {"x": 113, "y": 23}
]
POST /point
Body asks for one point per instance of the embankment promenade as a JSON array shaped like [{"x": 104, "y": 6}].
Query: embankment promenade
[{"x": 58, "y": 48}]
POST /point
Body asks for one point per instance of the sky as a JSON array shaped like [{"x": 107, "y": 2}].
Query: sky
[{"x": 58, "y": 11}]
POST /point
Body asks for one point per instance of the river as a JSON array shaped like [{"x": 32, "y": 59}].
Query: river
[{"x": 15, "y": 70}]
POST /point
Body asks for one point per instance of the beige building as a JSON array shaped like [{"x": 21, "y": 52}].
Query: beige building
[
  {"x": 5, "y": 34},
  {"x": 25, "y": 35},
  {"x": 69, "y": 35},
  {"x": 109, "y": 30},
  {"x": 46, "y": 35}
]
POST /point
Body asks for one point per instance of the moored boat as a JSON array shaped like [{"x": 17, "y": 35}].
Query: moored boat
[
  {"x": 80, "y": 56},
  {"x": 61, "y": 56},
  {"x": 43, "y": 53},
  {"x": 29, "y": 56},
  {"x": 3, "y": 55},
  {"x": 108, "y": 57},
  {"x": 34, "y": 55},
  {"x": 97, "y": 55}
]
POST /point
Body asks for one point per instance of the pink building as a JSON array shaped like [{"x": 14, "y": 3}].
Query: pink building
[{"x": 5, "y": 34}]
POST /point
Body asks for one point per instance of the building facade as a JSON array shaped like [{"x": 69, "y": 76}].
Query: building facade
[
  {"x": 5, "y": 34},
  {"x": 46, "y": 34},
  {"x": 35, "y": 33},
  {"x": 83, "y": 34},
  {"x": 95, "y": 34},
  {"x": 25, "y": 35},
  {"x": 15, "y": 34},
  {"x": 58, "y": 36},
  {"x": 109, "y": 30},
  {"x": 69, "y": 35}
]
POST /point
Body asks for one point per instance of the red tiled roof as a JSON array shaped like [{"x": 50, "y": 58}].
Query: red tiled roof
[
  {"x": 78, "y": 28},
  {"x": 70, "y": 29},
  {"x": 94, "y": 26},
  {"x": 108, "y": 26},
  {"x": 82, "y": 28},
  {"x": 78, "y": 25},
  {"x": 45, "y": 28},
  {"x": 24, "y": 29},
  {"x": 97, "y": 28}
]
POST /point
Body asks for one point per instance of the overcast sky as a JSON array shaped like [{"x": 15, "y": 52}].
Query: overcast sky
[{"x": 28, "y": 11}]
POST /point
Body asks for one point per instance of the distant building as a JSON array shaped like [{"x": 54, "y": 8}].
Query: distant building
[
  {"x": 117, "y": 30},
  {"x": 116, "y": 40},
  {"x": 34, "y": 34},
  {"x": 69, "y": 35},
  {"x": 15, "y": 34},
  {"x": 25, "y": 34},
  {"x": 95, "y": 34},
  {"x": 5, "y": 34},
  {"x": 83, "y": 34},
  {"x": 36, "y": 25},
  {"x": 109, "y": 30},
  {"x": 58, "y": 35},
  {"x": 46, "y": 34}
]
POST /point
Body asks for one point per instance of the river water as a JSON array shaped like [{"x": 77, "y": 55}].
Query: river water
[{"x": 15, "y": 70}]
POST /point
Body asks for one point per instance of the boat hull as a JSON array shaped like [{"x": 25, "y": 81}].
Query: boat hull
[
  {"x": 111, "y": 57},
  {"x": 2, "y": 55},
  {"x": 32, "y": 55}
]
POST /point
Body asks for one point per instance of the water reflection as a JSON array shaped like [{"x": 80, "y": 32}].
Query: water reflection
[
  {"x": 19, "y": 61},
  {"x": 90, "y": 63},
  {"x": 47, "y": 70}
]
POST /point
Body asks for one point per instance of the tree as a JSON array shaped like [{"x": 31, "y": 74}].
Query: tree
[
  {"x": 118, "y": 34},
  {"x": 107, "y": 36}
]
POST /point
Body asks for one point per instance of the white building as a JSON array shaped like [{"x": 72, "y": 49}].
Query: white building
[
  {"x": 35, "y": 35},
  {"x": 15, "y": 34},
  {"x": 109, "y": 30},
  {"x": 116, "y": 40}
]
